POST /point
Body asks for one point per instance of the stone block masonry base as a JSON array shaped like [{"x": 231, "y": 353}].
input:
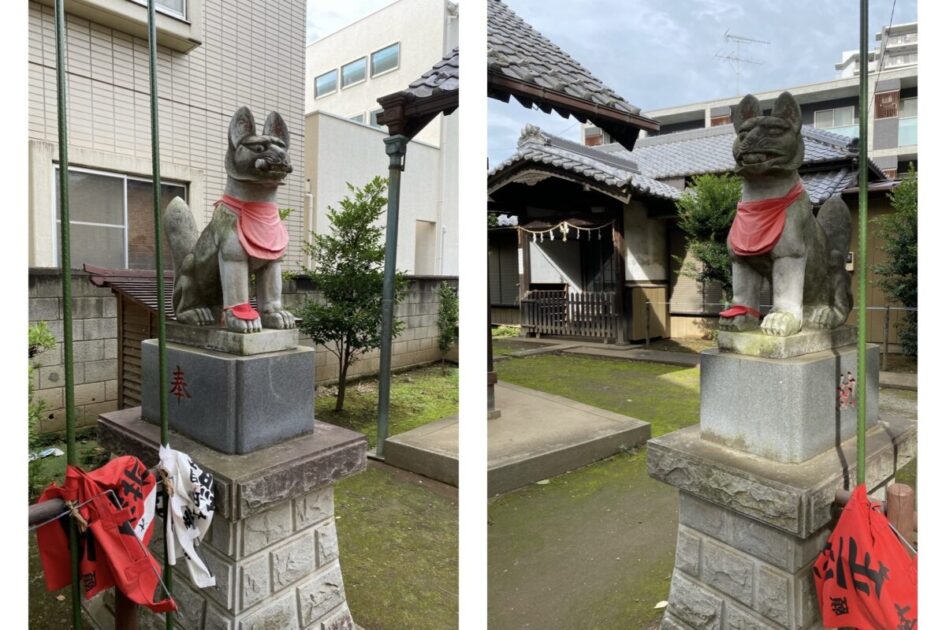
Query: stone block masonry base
[
  {"x": 732, "y": 572},
  {"x": 272, "y": 546},
  {"x": 750, "y": 528}
]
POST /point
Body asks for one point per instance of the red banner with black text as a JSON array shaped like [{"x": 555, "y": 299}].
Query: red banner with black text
[{"x": 865, "y": 579}]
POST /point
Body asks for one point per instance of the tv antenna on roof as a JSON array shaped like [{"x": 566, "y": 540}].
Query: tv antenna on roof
[{"x": 736, "y": 59}]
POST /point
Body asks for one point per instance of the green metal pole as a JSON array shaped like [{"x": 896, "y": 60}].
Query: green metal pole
[
  {"x": 65, "y": 266},
  {"x": 159, "y": 271},
  {"x": 396, "y": 148},
  {"x": 862, "y": 256}
]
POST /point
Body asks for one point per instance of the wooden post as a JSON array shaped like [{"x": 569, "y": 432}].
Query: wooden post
[
  {"x": 126, "y": 612},
  {"x": 900, "y": 509},
  {"x": 617, "y": 238},
  {"x": 525, "y": 274}
]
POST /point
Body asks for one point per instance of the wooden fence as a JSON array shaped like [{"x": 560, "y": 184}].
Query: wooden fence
[{"x": 588, "y": 314}]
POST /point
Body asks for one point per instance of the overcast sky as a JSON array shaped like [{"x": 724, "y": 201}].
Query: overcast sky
[{"x": 660, "y": 53}]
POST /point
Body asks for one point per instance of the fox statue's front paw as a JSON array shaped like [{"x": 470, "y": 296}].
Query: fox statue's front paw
[
  {"x": 739, "y": 323},
  {"x": 242, "y": 319},
  {"x": 280, "y": 319},
  {"x": 781, "y": 324}
]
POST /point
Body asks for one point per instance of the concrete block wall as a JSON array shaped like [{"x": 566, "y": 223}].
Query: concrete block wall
[
  {"x": 95, "y": 348},
  {"x": 733, "y": 572},
  {"x": 416, "y": 345}
]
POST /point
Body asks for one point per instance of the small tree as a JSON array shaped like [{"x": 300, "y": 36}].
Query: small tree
[
  {"x": 898, "y": 237},
  {"x": 706, "y": 210},
  {"x": 448, "y": 317},
  {"x": 349, "y": 273},
  {"x": 40, "y": 339}
]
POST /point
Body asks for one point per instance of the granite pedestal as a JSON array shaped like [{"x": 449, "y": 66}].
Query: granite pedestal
[
  {"x": 787, "y": 410},
  {"x": 758, "y": 477},
  {"x": 272, "y": 544},
  {"x": 232, "y": 402}
]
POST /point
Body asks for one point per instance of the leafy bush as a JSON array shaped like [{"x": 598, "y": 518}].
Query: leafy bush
[
  {"x": 898, "y": 234},
  {"x": 349, "y": 273},
  {"x": 448, "y": 318},
  {"x": 705, "y": 212}
]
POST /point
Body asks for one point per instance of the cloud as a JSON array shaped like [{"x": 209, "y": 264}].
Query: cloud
[{"x": 324, "y": 17}]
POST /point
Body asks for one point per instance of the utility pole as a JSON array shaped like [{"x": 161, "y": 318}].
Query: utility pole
[{"x": 737, "y": 59}]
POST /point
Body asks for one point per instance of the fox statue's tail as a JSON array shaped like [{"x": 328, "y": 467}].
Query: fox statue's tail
[
  {"x": 835, "y": 219},
  {"x": 181, "y": 231}
]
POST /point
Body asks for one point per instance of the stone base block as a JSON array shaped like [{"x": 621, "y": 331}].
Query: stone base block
[
  {"x": 235, "y": 404},
  {"x": 272, "y": 545},
  {"x": 223, "y": 340},
  {"x": 787, "y": 410},
  {"x": 750, "y": 529},
  {"x": 809, "y": 340}
]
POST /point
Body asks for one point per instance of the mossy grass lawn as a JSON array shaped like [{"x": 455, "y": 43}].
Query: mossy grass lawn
[
  {"x": 592, "y": 548},
  {"x": 417, "y": 397},
  {"x": 398, "y": 539}
]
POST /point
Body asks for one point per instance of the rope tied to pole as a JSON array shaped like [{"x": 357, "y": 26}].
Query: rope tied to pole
[
  {"x": 166, "y": 483},
  {"x": 76, "y": 515}
]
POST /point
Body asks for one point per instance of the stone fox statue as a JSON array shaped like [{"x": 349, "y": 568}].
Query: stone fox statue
[
  {"x": 775, "y": 234},
  {"x": 245, "y": 236}
]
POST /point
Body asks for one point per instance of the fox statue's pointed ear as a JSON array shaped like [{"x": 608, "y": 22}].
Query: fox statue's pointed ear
[
  {"x": 275, "y": 126},
  {"x": 241, "y": 126},
  {"x": 786, "y": 107},
  {"x": 747, "y": 108}
]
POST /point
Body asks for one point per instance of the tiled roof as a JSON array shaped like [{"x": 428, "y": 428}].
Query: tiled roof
[
  {"x": 518, "y": 51},
  {"x": 609, "y": 169},
  {"x": 443, "y": 77},
  {"x": 709, "y": 150},
  {"x": 684, "y": 154}
]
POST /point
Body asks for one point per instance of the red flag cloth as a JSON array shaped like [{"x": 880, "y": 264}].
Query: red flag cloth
[
  {"x": 113, "y": 550},
  {"x": 759, "y": 224},
  {"x": 259, "y": 227},
  {"x": 864, "y": 577}
]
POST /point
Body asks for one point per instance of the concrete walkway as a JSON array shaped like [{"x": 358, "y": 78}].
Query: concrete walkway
[
  {"x": 432, "y": 450},
  {"x": 540, "y": 435}
]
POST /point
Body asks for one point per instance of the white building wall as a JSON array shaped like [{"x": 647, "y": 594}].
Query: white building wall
[
  {"x": 556, "y": 262},
  {"x": 252, "y": 54},
  {"x": 341, "y": 151},
  {"x": 423, "y": 28},
  {"x": 645, "y": 242}
]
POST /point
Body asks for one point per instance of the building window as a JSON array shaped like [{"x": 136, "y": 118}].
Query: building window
[
  {"x": 358, "y": 118},
  {"x": 373, "y": 119},
  {"x": 354, "y": 72},
  {"x": 907, "y": 124},
  {"x": 886, "y": 104},
  {"x": 717, "y": 121},
  {"x": 326, "y": 83},
  {"x": 841, "y": 120},
  {"x": 385, "y": 59},
  {"x": 175, "y": 8},
  {"x": 111, "y": 218}
]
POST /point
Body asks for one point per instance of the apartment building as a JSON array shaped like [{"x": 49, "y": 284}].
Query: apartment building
[
  {"x": 833, "y": 105},
  {"x": 213, "y": 57},
  {"x": 346, "y": 72}
]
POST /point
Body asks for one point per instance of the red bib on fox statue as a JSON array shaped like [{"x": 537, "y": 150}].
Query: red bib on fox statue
[
  {"x": 864, "y": 577},
  {"x": 759, "y": 224},
  {"x": 259, "y": 227},
  {"x": 113, "y": 549}
]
